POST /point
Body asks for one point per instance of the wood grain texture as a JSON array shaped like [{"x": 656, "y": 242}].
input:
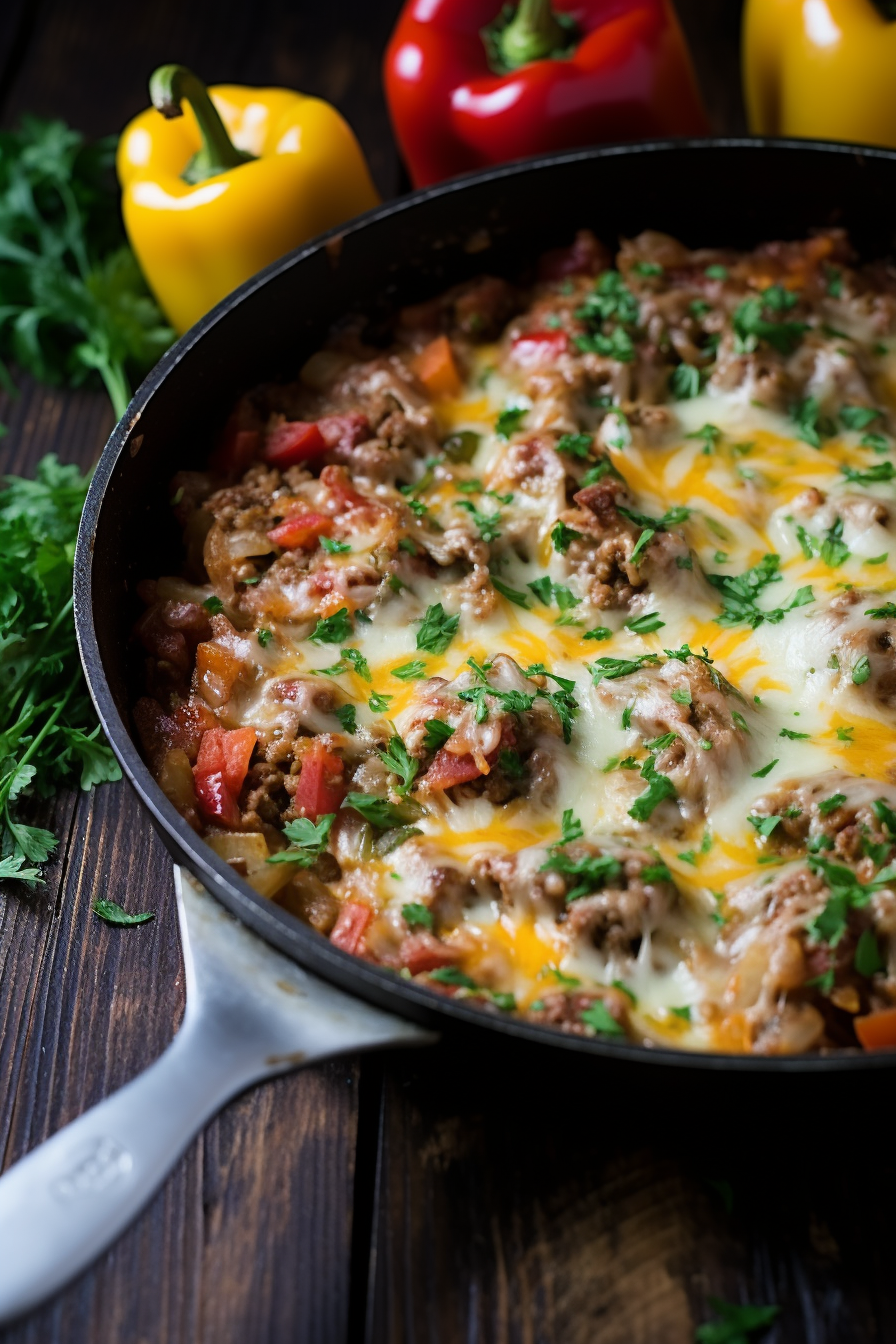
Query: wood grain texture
[{"x": 438, "y": 1198}]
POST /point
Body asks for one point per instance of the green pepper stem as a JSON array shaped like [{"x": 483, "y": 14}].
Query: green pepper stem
[
  {"x": 533, "y": 33},
  {"x": 168, "y": 87}
]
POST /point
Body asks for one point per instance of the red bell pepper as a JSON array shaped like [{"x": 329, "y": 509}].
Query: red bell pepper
[
  {"x": 321, "y": 788},
  {"x": 292, "y": 442},
  {"x": 534, "y": 349},
  {"x": 468, "y": 85},
  {"x": 351, "y": 926},
  {"x": 301, "y": 531},
  {"x": 219, "y": 772}
]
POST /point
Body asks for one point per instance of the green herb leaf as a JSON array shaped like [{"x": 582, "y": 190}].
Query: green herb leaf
[
  {"x": 348, "y": 718},
  {"x": 436, "y": 734},
  {"x": 379, "y": 703},
  {"x": 861, "y": 670},
  {"x": 213, "y": 605},
  {"x": 685, "y": 382},
  {"x": 380, "y": 812},
  {"x": 599, "y": 1018},
  {"x": 333, "y": 629},
  {"x": 512, "y": 594},
  {"x": 397, "y": 759},
  {"x": 766, "y": 769},
  {"x": 112, "y": 913},
  {"x": 736, "y": 1324},
  {"x": 646, "y": 624},
  {"x": 509, "y": 421},
  {"x": 562, "y": 537},
  {"x": 410, "y": 671},
  {"x": 335, "y": 547},
  {"x": 417, "y": 916},
  {"x": 437, "y": 629},
  {"x": 308, "y": 838},
  {"x": 576, "y": 445}
]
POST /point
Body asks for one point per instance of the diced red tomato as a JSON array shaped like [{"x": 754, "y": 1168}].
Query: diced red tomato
[
  {"x": 345, "y": 431},
  {"x": 215, "y": 800},
  {"x": 219, "y": 772},
  {"x": 240, "y": 443},
  {"x": 534, "y": 349},
  {"x": 423, "y": 952},
  {"x": 292, "y": 442},
  {"x": 448, "y": 770},
  {"x": 877, "y": 1031},
  {"x": 351, "y": 925},
  {"x": 321, "y": 787},
  {"x": 336, "y": 481},
  {"x": 301, "y": 531}
]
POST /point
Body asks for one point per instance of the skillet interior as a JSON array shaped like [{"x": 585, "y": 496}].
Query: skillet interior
[{"x": 730, "y": 192}]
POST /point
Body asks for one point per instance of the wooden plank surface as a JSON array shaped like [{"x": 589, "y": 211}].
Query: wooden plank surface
[{"x": 439, "y": 1197}]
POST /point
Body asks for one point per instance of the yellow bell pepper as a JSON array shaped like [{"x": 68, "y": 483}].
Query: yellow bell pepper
[
  {"x": 212, "y": 194},
  {"x": 823, "y": 69}
]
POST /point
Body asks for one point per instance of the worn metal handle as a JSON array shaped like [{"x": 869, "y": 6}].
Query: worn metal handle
[
  {"x": 73, "y": 1195},
  {"x": 251, "y": 1014}
]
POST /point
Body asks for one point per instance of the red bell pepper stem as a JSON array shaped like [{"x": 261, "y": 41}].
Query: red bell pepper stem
[
  {"x": 533, "y": 33},
  {"x": 168, "y": 87}
]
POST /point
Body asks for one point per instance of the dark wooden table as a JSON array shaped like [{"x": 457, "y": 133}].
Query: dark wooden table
[{"x": 431, "y": 1197}]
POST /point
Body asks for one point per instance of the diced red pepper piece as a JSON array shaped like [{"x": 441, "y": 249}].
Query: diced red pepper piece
[
  {"x": 301, "y": 531},
  {"x": 877, "y": 1031},
  {"x": 423, "y": 952},
  {"x": 351, "y": 925},
  {"x": 448, "y": 770},
  {"x": 216, "y": 802},
  {"x": 292, "y": 442},
  {"x": 534, "y": 349},
  {"x": 321, "y": 787},
  {"x": 336, "y": 481},
  {"x": 344, "y": 431},
  {"x": 239, "y": 444}
]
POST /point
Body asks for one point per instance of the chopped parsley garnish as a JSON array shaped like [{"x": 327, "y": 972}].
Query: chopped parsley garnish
[
  {"x": 436, "y": 734},
  {"x": 335, "y": 547},
  {"x": 809, "y": 421},
  {"x": 348, "y": 658},
  {"x": 379, "y": 703},
  {"x": 348, "y": 718},
  {"x": 333, "y": 629},
  {"x": 610, "y": 301},
  {"x": 646, "y": 624},
  {"x": 599, "y": 1018},
  {"x": 740, "y": 591},
  {"x": 452, "y": 975},
  {"x": 509, "y": 421},
  {"x": 308, "y": 840},
  {"x": 380, "y": 812},
  {"x": 593, "y": 872},
  {"x": 868, "y": 960},
  {"x": 793, "y": 736},
  {"x": 685, "y": 382},
  {"x": 647, "y": 268},
  {"x": 861, "y": 671},
  {"x": 576, "y": 445},
  {"x": 766, "y": 769},
  {"x": 600, "y": 632},
  {"x": 553, "y": 594},
  {"x": 264, "y": 637},
  {"x": 845, "y": 734},
  {"x": 829, "y": 805},
  {"x": 847, "y": 893},
  {"x": 659, "y": 787},
  {"x": 885, "y": 815},
  {"x": 858, "y": 417},
  {"x": 417, "y": 916},
  {"x": 751, "y": 327},
  {"x": 882, "y": 471},
  {"x": 608, "y": 669},
  {"x": 562, "y": 537},
  {"x": 716, "y": 272},
  {"x": 764, "y": 825},
  {"x": 437, "y": 629},
  {"x": 570, "y": 827},
  {"x": 486, "y": 523},
  {"x": 708, "y": 434},
  {"x": 398, "y": 760},
  {"x": 884, "y": 613},
  {"x": 511, "y": 764},
  {"x": 213, "y": 605},
  {"x": 410, "y": 671},
  {"x": 512, "y": 594},
  {"x": 682, "y": 695}
]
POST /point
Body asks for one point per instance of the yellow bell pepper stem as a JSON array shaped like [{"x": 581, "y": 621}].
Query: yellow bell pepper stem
[
  {"x": 168, "y": 87},
  {"x": 821, "y": 69},
  {"x": 202, "y": 217}
]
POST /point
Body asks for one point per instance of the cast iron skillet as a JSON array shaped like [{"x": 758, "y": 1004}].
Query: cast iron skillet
[{"x": 725, "y": 192}]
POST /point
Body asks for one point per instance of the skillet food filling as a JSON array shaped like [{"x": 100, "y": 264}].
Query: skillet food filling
[{"x": 547, "y": 655}]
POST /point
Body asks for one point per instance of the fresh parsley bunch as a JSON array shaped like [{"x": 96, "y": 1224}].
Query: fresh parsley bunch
[
  {"x": 49, "y": 732},
  {"x": 73, "y": 303}
]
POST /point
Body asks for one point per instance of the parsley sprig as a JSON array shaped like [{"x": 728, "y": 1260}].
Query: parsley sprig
[
  {"x": 740, "y": 591},
  {"x": 48, "y": 729},
  {"x": 74, "y": 303}
]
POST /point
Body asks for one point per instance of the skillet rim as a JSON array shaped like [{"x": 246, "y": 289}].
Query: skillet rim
[{"x": 374, "y": 984}]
